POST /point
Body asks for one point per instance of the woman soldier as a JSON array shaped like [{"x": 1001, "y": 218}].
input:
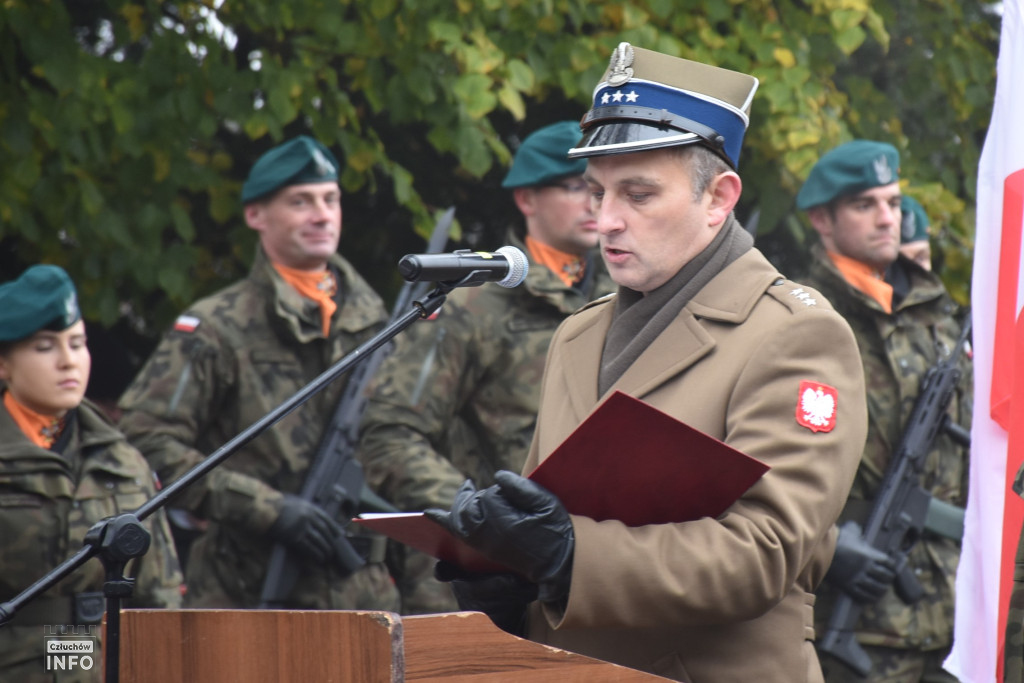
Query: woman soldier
[{"x": 63, "y": 467}]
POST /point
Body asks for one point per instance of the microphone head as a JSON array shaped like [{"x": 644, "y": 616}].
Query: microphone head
[{"x": 518, "y": 266}]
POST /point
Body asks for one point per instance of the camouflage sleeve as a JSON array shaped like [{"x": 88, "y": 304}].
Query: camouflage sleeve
[
  {"x": 414, "y": 400},
  {"x": 158, "y": 577},
  {"x": 167, "y": 408}
]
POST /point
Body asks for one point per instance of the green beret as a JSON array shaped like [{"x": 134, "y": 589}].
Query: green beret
[
  {"x": 300, "y": 160},
  {"x": 914, "y": 224},
  {"x": 42, "y": 298},
  {"x": 848, "y": 169},
  {"x": 542, "y": 158}
]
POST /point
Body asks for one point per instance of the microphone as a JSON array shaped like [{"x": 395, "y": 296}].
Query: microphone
[{"x": 507, "y": 267}]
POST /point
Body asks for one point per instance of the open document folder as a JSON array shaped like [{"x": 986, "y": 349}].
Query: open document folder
[{"x": 627, "y": 461}]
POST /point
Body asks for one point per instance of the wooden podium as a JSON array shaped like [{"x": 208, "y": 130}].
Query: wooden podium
[{"x": 284, "y": 646}]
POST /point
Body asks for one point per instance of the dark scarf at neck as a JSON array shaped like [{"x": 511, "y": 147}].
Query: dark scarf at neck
[{"x": 638, "y": 319}]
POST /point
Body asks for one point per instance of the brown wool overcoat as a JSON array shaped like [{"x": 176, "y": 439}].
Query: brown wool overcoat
[{"x": 727, "y": 599}]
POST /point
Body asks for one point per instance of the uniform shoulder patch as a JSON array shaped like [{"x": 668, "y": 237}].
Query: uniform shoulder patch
[
  {"x": 816, "y": 406},
  {"x": 186, "y": 323}
]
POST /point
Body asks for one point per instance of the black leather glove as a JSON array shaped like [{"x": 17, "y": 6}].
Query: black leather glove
[
  {"x": 307, "y": 529},
  {"x": 502, "y": 597},
  {"x": 519, "y": 524},
  {"x": 859, "y": 570}
]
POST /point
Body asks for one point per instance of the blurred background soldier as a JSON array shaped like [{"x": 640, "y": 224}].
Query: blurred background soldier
[
  {"x": 63, "y": 467},
  {"x": 914, "y": 241},
  {"x": 458, "y": 397},
  {"x": 903, "y": 320},
  {"x": 1013, "y": 659},
  {"x": 235, "y": 356}
]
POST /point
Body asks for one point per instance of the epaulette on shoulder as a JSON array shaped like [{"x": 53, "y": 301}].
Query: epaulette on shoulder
[
  {"x": 797, "y": 297},
  {"x": 600, "y": 301}
]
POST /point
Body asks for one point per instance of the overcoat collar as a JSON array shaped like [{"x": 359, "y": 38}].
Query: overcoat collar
[{"x": 729, "y": 298}]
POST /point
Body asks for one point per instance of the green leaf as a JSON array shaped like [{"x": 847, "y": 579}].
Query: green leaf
[
  {"x": 850, "y": 39},
  {"x": 182, "y": 222},
  {"x": 520, "y": 75},
  {"x": 474, "y": 92}
]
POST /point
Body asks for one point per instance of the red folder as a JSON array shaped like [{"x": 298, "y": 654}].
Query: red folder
[{"x": 627, "y": 461}]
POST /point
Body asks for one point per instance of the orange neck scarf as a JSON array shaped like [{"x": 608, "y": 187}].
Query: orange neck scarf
[
  {"x": 568, "y": 267},
  {"x": 318, "y": 286},
  {"x": 40, "y": 429},
  {"x": 864, "y": 278}
]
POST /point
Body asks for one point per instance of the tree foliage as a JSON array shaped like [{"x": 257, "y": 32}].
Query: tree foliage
[{"x": 127, "y": 126}]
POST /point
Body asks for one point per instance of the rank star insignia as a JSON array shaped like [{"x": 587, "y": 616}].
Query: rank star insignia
[
  {"x": 804, "y": 296},
  {"x": 620, "y": 66},
  {"x": 816, "y": 406}
]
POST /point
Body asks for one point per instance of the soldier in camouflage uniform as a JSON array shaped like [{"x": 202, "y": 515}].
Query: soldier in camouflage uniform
[
  {"x": 458, "y": 397},
  {"x": 63, "y": 467},
  {"x": 235, "y": 356},
  {"x": 904, "y": 322},
  {"x": 1013, "y": 662}
]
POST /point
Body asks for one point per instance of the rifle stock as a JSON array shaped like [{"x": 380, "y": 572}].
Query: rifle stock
[
  {"x": 335, "y": 481},
  {"x": 897, "y": 517}
]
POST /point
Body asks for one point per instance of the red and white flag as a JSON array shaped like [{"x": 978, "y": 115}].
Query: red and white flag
[{"x": 994, "y": 511}]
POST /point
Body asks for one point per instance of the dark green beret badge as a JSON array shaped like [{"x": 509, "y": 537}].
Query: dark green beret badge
[
  {"x": 848, "y": 169},
  {"x": 42, "y": 298},
  {"x": 914, "y": 224},
  {"x": 298, "y": 161}
]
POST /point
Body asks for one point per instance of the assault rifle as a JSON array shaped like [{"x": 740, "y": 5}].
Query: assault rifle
[
  {"x": 335, "y": 481},
  {"x": 898, "y": 513}
]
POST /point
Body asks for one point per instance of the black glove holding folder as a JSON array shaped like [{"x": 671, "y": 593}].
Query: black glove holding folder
[{"x": 519, "y": 524}]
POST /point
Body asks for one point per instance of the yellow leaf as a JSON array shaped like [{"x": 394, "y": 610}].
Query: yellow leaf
[
  {"x": 784, "y": 56},
  {"x": 133, "y": 16},
  {"x": 161, "y": 165},
  {"x": 511, "y": 100},
  {"x": 802, "y": 137},
  {"x": 361, "y": 160}
]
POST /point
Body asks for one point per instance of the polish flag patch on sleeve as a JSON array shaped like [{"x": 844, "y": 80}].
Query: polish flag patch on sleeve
[
  {"x": 816, "y": 406},
  {"x": 186, "y": 323}
]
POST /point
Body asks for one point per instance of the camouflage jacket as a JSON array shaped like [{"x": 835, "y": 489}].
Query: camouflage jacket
[
  {"x": 896, "y": 350},
  {"x": 1013, "y": 656},
  {"x": 231, "y": 359},
  {"x": 459, "y": 395},
  {"x": 48, "y": 501}
]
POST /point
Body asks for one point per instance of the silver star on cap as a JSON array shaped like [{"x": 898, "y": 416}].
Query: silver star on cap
[
  {"x": 882, "y": 170},
  {"x": 621, "y": 64}
]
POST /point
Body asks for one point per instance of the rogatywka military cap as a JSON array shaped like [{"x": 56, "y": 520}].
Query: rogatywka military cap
[
  {"x": 42, "y": 298},
  {"x": 297, "y": 161},
  {"x": 848, "y": 169},
  {"x": 914, "y": 223},
  {"x": 543, "y": 156},
  {"x": 647, "y": 100}
]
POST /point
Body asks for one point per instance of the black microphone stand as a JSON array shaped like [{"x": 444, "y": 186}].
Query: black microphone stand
[{"x": 120, "y": 538}]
